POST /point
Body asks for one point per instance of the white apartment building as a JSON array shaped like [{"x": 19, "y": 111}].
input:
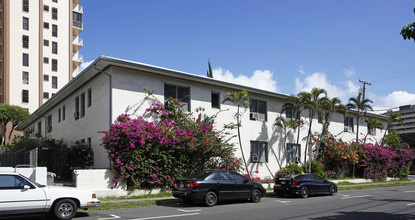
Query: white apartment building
[
  {"x": 39, "y": 49},
  {"x": 109, "y": 87}
]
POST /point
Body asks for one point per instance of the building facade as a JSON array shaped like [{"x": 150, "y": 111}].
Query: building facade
[
  {"x": 406, "y": 129},
  {"x": 109, "y": 87},
  {"x": 39, "y": 49}
]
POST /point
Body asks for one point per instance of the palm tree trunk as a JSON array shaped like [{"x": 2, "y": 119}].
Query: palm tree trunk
[
  {"x": 308, "y": 140},
  {"x": 383, "y": 139},
  {"x": 298, "y": 139},
  {"x": 240, "y": 145}
]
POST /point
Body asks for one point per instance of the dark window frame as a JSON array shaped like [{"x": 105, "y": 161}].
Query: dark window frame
[
  {"x": 89, "y": 98},
  {"x": 54, "y": 47},
  {"x": 349, "y": 124},
  {"x": 215, "y": 99},
  {"x": 293, "y": 153},
  {"x": 54, "y": 65},
  {"x": 82, "y": 105},
  {"x": 256, "y": 108},
  {"x": 25, "y": 23},
  {"x": 182, "y": 93},
  {"x": 258, "y": 149},
  {"x": 54, "y": 82},
  {"x": 54, "y": 13},
  {"x": 54, "y": 30},
  {"x": 25, "y": 96},
  {"x": 25, "y": 5},
  {"x": 25, "y": 77},
  {"x": 25, "y": 59}
]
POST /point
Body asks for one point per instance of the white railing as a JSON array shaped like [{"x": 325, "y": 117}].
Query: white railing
[
  {"x": 78, "y": 41},
  {"x": 78, "y": 58},
  {"x": 78, "y": 8}
]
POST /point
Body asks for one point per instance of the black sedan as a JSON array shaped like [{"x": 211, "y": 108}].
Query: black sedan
[
  {"x": 304, "y": 185},
  {"x": 210, "y": 187}
]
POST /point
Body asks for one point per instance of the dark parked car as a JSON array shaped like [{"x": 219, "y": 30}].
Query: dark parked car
[
  {"x": 304, "y": 185},
  {"x": 210, "y": 187}
]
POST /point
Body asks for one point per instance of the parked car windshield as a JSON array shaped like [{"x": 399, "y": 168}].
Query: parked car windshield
[
  {"x": 198, "y": 175},
  {"x": 33, "y": 182}
]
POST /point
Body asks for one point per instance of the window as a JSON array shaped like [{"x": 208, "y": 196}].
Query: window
[
  {"x": 178, "y": 92},
  {"x": 54, "y": 30},
  {"x": 25, "y": 41},
  {"x": 25, "y": 59},
  {"x": 320, "y": 117},
  {"x": 54, "y": 82},
  {"x": 258, "y": 110},
  {"x": 25, "y": 5},
  {"x": 46, "y": 43},
  {"x": 25, "y": 96},
  {"x": 45, "y": 95},
  {"x": 215, "y": 99},
  {"x": 39, "y": 128},
  {"x": 54, "y": 65},
  {"x": 56, "y": 1},
  {"x": 76, "y": 114},
  {"x": 48, "y": 124},
  {"x": 54, "y": 13},
  {"x": 63, "y": 113},
  {"x": 290, "y": 114},
  {"x": 46, "y": 7},
  {"x": 25, "y": 77},
  {"x": 77, "y": 19},
  {"x": 259, "y": 152},
  {"x": 89, "y": 142},
  {"x": 59, "y": 115},
  {"x": 45, "y": 60},
  {"x": 82, "y": 105},
  {"x": 348, "y": 124},
  {"x": 46, "y": 25},
  {"x": 45, "y": 77},
  {"x": 54, "y": 47},
  {"x": 25, "y": 23},
  {"x": 293, "y": 153},
  {"x": 13, "y": 182},
  {"x": 89, "y": 97}
]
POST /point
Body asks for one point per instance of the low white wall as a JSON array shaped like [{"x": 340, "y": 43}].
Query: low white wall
[
  {"x": 38, "y": 174},
  {"x": 100, "y": 182}
]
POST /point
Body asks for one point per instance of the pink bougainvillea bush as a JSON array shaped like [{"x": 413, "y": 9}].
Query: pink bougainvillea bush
[
  {"x": 152, "y": 154},
  {"x": 379, "y": 162}
]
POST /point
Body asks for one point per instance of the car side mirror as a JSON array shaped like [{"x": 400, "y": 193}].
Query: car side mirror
[{"x": 26, "y": 187}]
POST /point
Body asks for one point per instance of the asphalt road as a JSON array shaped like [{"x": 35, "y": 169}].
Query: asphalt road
[{"x": 382, "y": 203}]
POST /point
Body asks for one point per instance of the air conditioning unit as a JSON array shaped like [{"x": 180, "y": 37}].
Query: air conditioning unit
[
  {"x": 261, "y": 117},
  {"x": 346, "y": 128},
  {"x": 76, "y": 115},
  {"x": 254, "y": 115},
  {"x": 254, "y": 158}
]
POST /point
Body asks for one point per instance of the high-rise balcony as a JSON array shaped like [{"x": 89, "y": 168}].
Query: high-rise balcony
[
  {"x": 77, "y": 43},
  {"x": 77, "y": 27},
  {"x": 77, "y": 59},
  {"x": 76, "y": 2},
  {"x": 78, "y": 8}
]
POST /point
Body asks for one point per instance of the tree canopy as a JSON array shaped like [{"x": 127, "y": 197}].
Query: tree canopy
[
  {"x": 408, "y": 31},
  {"x": 11, "y": 114}
]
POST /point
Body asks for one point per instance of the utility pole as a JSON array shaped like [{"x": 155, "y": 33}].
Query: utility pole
[{"x": 364, "y": 87}]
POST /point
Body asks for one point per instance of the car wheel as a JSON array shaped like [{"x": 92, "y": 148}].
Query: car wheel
[
  {"x": 333, "y": 190},
  {"x": 304, "y": 192},
  {"x": 65, "y": 209},
  {"x": 256, "y": 196},
  {"x": 211, "y": 199}
]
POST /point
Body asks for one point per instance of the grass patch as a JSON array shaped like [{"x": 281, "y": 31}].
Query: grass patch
[
  {"x": 135, "y": 204},
  {"x": 374, "y": 185},
  {"x": 343, "y": 183},
  {"x": 146, "y": 196}
]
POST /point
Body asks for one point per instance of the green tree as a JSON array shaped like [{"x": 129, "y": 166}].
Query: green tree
[
  {"x": 11, "y": 114},
  {"x": 408, "y": 31},
  {"x": 392, "y": 118},
  {"x": 285, "y": 125},
  {"x": 362, "y": 105},
  {"x": 313, "y": 102},
  {"x": 330, "y": 106},
  {"x": 209, "y": 72},
  {"x": 372, "y": 124},
  {"x": 241, "y": 100},
  {"x": 296, "y": 105}
]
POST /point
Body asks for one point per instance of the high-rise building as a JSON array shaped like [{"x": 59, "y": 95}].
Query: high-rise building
[{"x": 39, "y": 49}]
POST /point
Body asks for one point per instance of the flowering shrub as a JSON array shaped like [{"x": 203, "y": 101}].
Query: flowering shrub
[
  {"x": 153, "y": 154},
  {"x": 401, "y": 163},
  {"x": 289, "y": 170},
  {"x": 337, "y": 155}
]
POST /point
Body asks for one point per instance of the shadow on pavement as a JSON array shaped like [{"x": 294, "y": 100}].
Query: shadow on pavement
[{"x": 367, "y": 215}]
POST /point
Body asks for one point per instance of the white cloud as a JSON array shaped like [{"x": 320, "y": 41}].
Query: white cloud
[
  {"x": 349, "y": 72},
  {"x": 261, "y": 79},
  {"x": 84, "y": 65},
  {"x": 300, "y": 69},
  {"x": 399, "y": 98}
]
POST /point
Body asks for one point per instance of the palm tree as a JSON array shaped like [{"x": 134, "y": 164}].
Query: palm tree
[
  {"x": 392, "y": 117},
  {"x": 329, "y": 106},
  {"x": 296, "y": 105},
  {"x": 372, "y": 124},
  {"x": 314, "y": 105},
  {"x": 241, "y": 100},
  {"x": 285, "y": 125},
  {"x": 361, "y": 105}
]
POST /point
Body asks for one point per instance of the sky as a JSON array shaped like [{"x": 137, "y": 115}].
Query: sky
[{"x": 280, "y": 46}]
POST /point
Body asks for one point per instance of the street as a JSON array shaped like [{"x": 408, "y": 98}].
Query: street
[{"x": 381, "y": 203}]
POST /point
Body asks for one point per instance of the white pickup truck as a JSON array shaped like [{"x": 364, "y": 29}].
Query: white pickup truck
[{"x": 20, "y": 196}]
